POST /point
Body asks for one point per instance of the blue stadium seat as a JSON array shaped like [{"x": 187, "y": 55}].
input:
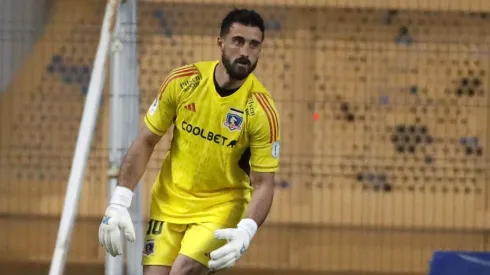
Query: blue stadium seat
[{"x": 460, "y": 263}]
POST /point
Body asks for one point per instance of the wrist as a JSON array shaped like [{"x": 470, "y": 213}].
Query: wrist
[
  {"x": 249, "y": 225},
  {"x": 122, "y": 196}
]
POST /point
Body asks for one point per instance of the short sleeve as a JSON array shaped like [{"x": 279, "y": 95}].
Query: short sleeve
[
  {"x": 162, "y": 111},
  {"x": 264, "y": 134}
]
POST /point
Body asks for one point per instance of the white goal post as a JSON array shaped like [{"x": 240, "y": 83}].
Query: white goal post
[{"x": 85, "y": 135}]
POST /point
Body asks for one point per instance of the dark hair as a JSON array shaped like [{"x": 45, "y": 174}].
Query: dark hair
[{"x": 243, "y": 16}]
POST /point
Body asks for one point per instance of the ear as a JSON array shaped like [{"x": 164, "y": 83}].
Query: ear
[{"x": 220, "y": 43}]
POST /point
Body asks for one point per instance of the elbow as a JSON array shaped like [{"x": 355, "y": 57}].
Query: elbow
[
  {"x": 147, "y": 139},
  {"x": 148, "y": 144},
  {"x": 263, "y": 180}
]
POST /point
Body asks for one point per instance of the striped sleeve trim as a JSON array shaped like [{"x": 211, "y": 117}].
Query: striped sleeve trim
[
  {"x": 271, "y": 114},
  {"x": 178, "y": 73}
]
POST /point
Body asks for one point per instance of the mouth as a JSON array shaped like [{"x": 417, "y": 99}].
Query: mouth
[{"x": 244, "y": 65}]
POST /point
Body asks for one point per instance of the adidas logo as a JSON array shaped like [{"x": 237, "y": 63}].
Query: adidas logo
[{"x": 191, "y": 107}]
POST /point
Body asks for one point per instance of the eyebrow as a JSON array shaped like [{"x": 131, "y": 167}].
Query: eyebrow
[{"x": 240, "y": 36}]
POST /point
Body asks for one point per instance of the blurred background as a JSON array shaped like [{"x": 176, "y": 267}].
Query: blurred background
[{"x": 385, "y": 121}]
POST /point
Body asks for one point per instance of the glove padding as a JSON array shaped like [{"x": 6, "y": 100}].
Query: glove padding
[
  {"x": 238, "y": 241},
  {"x": 116, "y": 220}
]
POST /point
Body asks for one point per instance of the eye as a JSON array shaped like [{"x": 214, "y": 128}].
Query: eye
[
  {"x": 254, "y": 44},
  {"x": 237, "y": 40}
]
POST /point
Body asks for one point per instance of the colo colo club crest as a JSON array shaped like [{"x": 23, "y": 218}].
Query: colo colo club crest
[{"x": 234, "y": 119}]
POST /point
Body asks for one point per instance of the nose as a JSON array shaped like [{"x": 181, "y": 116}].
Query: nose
[{"x": 245, "y": 51}]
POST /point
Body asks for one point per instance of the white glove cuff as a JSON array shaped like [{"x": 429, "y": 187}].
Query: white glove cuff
[
  {"x": 249, "y": 225},
  {"x": 122, "y": 196}
]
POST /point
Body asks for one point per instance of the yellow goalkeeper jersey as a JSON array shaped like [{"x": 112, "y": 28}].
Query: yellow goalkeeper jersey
[{"x": 216, "y": 141}]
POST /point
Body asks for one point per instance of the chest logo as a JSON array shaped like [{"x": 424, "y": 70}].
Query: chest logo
[
  {"x": 234, "y": 119},
  {"x": 191, "y": 84},
  {"x": 191, "y": 107}
]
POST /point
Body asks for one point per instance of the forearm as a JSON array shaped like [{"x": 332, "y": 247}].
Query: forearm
[
  {"x": 261, "y": 201},
  {"x": 134, "y": 164}
]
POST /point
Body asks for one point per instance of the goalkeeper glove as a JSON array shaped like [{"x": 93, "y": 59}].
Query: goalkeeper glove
[
  {"x": 238, "y": 241},
  {"x": 117, "y": 219}
]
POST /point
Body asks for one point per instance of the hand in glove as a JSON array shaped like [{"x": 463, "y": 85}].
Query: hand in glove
[
  {"x": 117, "y": 219},
  {"x": 238, "y": 241}
]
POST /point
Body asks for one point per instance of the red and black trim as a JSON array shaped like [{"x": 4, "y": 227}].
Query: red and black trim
[
  {"x": 178, "y": 73},
  {"x": 272, "y": 117}
]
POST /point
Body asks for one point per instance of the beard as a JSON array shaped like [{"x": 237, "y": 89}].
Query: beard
[{"x": 238, "y": 69}]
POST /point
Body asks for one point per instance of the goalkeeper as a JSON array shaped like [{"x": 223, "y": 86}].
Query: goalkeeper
[{"x": 216, "y": 183}]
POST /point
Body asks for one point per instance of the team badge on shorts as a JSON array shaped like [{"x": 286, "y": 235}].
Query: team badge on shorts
[
  {"x": 149, "y": 247},
  {"x": 234, "y": 119}
]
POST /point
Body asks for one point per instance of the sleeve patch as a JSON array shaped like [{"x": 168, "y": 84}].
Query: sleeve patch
[
  {"x": 276, "y": 148},
  {"x": 153, "y": 107}
]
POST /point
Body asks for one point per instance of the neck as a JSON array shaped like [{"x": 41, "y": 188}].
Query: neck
[{"x": 224, "y": 80}]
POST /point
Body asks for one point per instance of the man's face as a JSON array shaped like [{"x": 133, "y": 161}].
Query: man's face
[{"x": 240, "y": 50}]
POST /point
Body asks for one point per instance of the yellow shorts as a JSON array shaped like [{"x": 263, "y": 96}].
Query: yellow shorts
[{"x": 164, "y": 241}]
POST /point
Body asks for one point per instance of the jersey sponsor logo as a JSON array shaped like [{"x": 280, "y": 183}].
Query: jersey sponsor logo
[
  {"x": 175, "y": 74},
  {"x": 190, "y": 84},
  {"x": 276, "y": 148},
  {"x": 153, "y": 107},
  {"x": 234, "y": 119},
  {"x": 250, "y": 111},
  {"x": 207, "y": 135}
]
